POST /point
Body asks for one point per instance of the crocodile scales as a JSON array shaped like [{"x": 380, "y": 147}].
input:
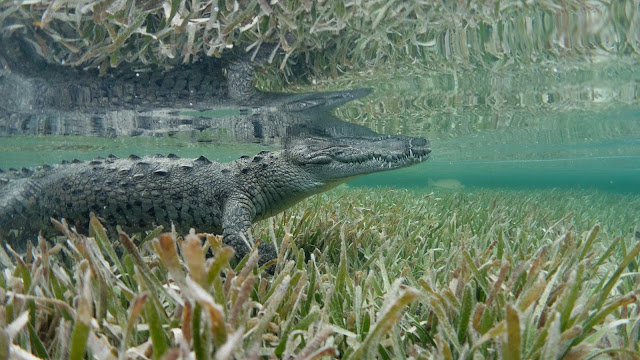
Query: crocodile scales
[{"x": 223, "y": 198}]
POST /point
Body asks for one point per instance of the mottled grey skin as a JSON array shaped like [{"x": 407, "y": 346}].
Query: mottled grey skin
[{"x": 222, "y": 198}]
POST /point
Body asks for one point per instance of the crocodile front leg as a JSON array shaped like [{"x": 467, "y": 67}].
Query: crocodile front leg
[{"x": 236, "y": 222}]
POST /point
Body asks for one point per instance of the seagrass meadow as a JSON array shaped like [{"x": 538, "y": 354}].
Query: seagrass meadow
[
  {"x": 388, "y": 274},
  {"x": 537, "y": 262}
]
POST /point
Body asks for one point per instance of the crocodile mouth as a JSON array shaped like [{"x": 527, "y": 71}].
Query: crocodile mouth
[{"x": 338, "y": 158}]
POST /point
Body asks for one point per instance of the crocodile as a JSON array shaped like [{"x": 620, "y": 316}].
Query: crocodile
[{"x": 222, "y": 198}]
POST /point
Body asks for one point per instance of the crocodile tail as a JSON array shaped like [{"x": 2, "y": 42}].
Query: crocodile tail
[
  {"x": 10, "y": 175},
  {"x": 16, "y": 201},
  {"x": 10, "y": 178}
]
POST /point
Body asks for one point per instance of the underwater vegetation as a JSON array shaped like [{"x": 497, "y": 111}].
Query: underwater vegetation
[
  {"x": 384, "y": 274},
  {"x": 361, "y": 273},
  {"x": 330, "y": 36}
]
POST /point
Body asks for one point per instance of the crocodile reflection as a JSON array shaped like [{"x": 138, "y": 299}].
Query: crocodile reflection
[{"x": 194, "y": 101}]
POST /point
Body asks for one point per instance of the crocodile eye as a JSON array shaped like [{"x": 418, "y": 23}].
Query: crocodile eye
[{"x": 321, "y": 159}]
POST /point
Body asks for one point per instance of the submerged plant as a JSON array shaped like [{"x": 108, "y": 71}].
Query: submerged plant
[{"x": 393, "y": 274}]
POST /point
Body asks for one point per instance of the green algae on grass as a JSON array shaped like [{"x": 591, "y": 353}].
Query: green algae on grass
[{"x": 386, "y": 274}]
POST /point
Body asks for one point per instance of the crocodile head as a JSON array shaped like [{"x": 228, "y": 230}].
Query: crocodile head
[{"x": 336, "y": 160}]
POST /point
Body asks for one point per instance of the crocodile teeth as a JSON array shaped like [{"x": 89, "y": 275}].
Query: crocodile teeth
[{"x": 411, "y": 152}]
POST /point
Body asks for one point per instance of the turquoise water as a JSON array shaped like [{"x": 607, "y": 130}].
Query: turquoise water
[
  {"x": 610, "y": 174},
  {"x": 599, "y": 161},
  {"x": 526, "y": 129}
]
